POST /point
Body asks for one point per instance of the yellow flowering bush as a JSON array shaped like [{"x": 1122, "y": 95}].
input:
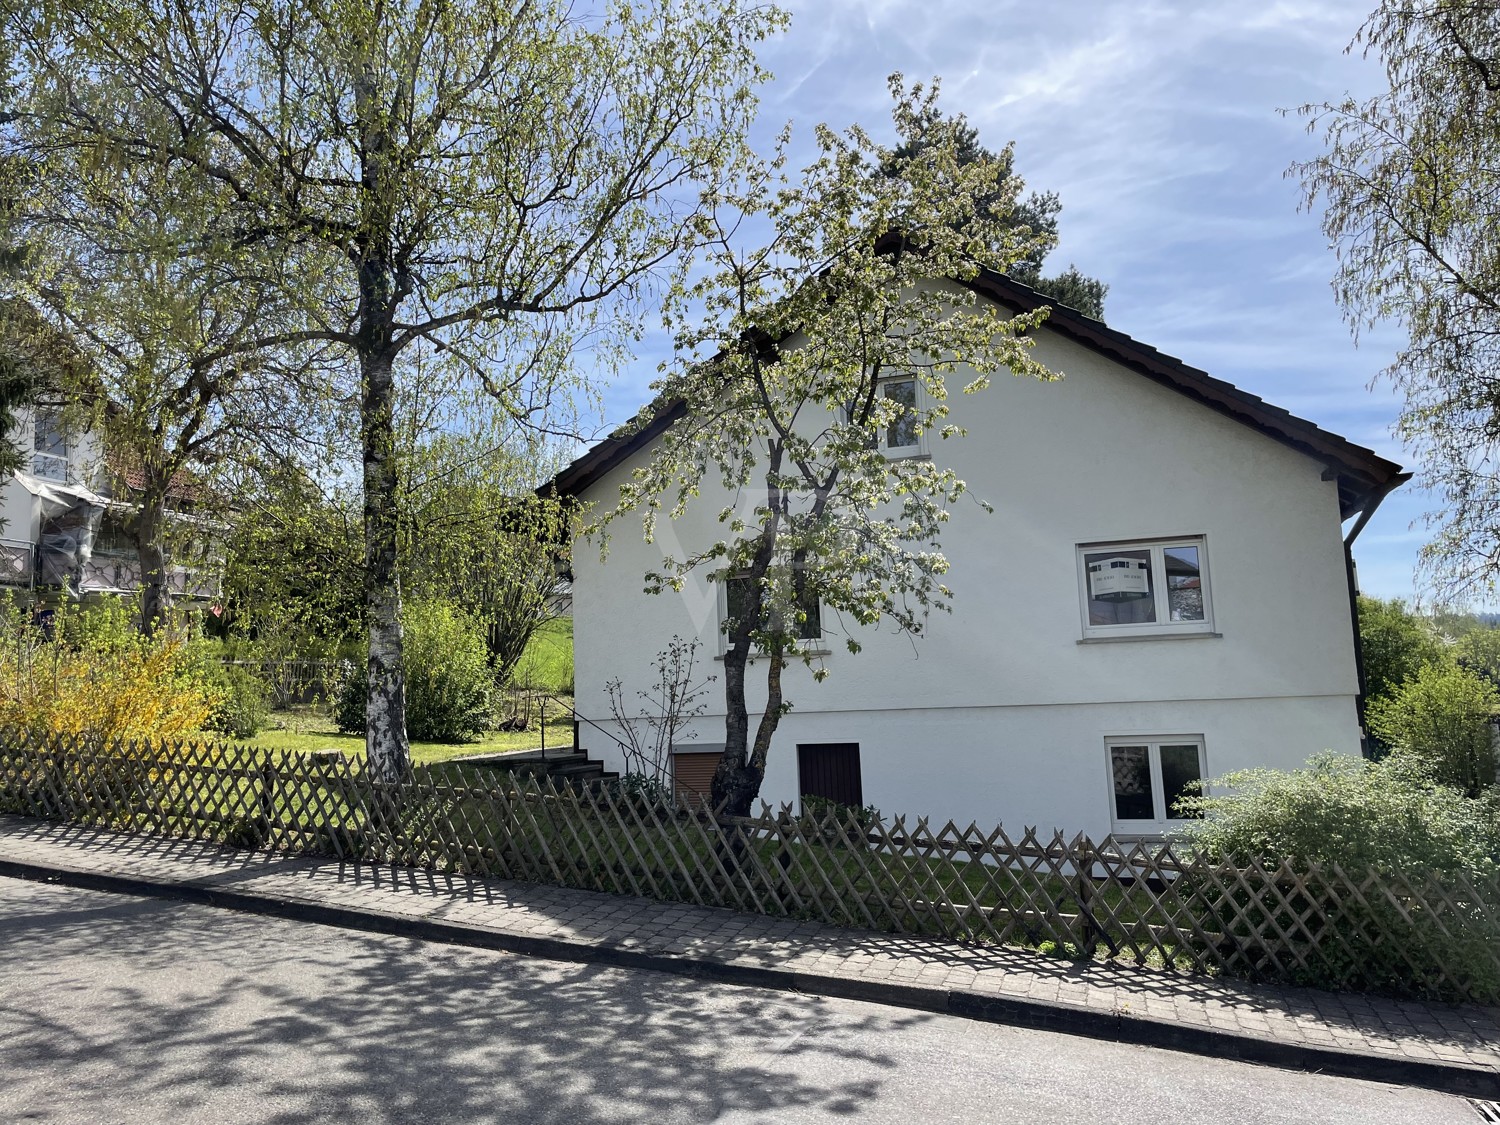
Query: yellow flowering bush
[{"x": 90, "y": 672}]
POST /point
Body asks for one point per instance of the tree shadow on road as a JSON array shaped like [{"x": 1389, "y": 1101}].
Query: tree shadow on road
[{"x": 117, "y": 1008}]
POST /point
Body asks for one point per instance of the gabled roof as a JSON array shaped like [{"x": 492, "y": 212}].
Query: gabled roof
[
  {"x": 1363, "y": 475},
  {"x": 127, "y": 470}
]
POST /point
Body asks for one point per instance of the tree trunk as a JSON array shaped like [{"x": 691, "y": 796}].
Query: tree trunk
[
  {"x": 734, "y": 786},
  {"x": 741, "y": 769},
  {"x": 739, "y": 776},
  {"x": 388, "y": 754},
  {"x": 156, "y": 590}
]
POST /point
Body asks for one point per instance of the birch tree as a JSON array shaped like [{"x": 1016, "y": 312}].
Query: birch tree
[
  {"x": 489, "y": 180},
  {"x": 782, "y": 395},
  {"x": 1409, "y": 193}
]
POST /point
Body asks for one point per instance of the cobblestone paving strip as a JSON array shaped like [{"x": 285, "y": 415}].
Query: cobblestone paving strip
[{"x": 1452, "y": 1047}]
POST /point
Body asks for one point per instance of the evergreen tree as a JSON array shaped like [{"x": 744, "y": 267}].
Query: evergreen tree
[{"x": 1036, "y": 213}]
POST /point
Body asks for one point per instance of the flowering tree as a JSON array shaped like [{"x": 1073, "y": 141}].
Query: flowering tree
[{"x": 786, "y": 394}]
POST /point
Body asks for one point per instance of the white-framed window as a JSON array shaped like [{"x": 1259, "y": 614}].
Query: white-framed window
[
  {"x": 1145, "y": 587},
  {"x": 902, "y": 436},
  {"x": 1147, "y": 777},
  {"x": 735, "y": 589},
  {"x": 49, "y": 445}
]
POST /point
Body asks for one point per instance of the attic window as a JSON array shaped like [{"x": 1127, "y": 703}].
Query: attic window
[{"x": 1143, "y": 588}]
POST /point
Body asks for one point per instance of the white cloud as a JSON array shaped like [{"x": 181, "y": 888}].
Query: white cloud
[{"x": 1157, "y": 123}]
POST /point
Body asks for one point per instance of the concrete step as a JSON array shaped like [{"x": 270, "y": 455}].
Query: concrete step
[{"x": 579, "y": 768}]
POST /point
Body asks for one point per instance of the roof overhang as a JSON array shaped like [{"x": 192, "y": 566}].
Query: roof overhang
[
  {"x": 600, "y": 459},
  {"x": 58, "y": 495},
  {"x": 1364, "y": 478}
]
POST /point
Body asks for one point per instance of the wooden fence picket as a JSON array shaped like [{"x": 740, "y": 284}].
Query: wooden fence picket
[{"x": 1161, "y": 903}]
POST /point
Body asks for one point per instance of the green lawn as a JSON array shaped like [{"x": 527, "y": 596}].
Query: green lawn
[
  {"x": 304, "y": 731},
  {"x": 548, "y": 662}
]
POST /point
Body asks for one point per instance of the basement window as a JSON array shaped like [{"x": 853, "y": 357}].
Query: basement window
[{"x": 1147, "y": 777}]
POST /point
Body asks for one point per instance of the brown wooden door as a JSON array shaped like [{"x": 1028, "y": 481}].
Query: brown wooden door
[{"x": 830, "y": 770}]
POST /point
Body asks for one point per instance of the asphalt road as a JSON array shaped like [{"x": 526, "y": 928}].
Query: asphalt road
[{"x": 117, "y": 1009}]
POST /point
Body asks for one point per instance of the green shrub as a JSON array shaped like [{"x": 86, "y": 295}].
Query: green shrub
[
  {"x": 92, "y": 673},
  {"x": 640, "y": 787},
  {"x": 832, "y": 820},
  {"x": 448, "y": 681},
  {"x": 243, "y": 707},
  {"x": 1395, "y": 643},
  {"x": 1441, "y": 716},
  {"x": 1391, "y": 820},
  {"x": 1390, "y": 815},
  {"x": 349, "y": 708}
]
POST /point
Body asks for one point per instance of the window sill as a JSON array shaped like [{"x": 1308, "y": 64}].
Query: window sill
[
  {"x": 1131, "y": 837},
  {"x": 1146, "y": 834},
  {"x": 754, "y": 656},
  {"x": 1183, "y": 636}
]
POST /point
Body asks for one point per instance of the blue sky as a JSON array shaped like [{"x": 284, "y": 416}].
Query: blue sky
[{"x": 1157, "y": 123}]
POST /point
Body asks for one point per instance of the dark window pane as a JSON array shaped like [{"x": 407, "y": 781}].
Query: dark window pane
[
  {"x": 1180, "y": 775},
  {"x": 1131, "y": 766},
  {"x": 49, "y": 458},
  {"x": 810, "y": 628},
  {"x": 902, "y": 431},
  {"x": 737, "y": 604},
  {"x": 48, "y": 436},
  {"x": 1184, "y": 584},
  {"x": 737, "y": 597},
  {"x": 1121, "y": 590},
  {"x": 830, "y": 771}
]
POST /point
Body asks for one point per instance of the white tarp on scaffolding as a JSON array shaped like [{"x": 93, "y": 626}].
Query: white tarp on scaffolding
[{"x": 70, "y": 515}]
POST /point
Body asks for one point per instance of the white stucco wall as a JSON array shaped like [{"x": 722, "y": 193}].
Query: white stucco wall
[
  {"x": 19, "y": 508},
  {"x": 999, "y": 712}
]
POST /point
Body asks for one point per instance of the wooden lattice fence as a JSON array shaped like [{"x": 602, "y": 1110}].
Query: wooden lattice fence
[{"x": 1155, "y": 903}]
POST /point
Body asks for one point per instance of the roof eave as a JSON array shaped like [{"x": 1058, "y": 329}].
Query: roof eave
[{"x": 1361, "y": 473}]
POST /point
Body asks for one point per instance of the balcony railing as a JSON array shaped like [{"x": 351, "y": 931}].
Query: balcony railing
[
  {"x": 116, "y": 573},
  {"x": 17, "y": 563},
  {"x": 123, "y": 573}
]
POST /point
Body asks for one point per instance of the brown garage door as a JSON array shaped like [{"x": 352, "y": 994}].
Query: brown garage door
[
  {"x": 693, "y": 774},
  {"x": 830, "y": 770}
]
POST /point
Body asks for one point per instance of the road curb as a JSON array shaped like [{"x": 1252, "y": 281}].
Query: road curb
[{"x": 1117, "y": 1026}]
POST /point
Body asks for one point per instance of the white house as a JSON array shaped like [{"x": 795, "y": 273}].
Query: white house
[
  {"x": 1163, "y": 592},
  {"x": 65, "y": 516}
]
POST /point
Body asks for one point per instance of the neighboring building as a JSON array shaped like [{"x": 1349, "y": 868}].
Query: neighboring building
[
  {"x": 66, "y": 517},
  {"x": 1162, "y": 593}
]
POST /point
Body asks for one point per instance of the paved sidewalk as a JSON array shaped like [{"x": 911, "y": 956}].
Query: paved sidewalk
[{"x": 1444, "y": 1047}]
